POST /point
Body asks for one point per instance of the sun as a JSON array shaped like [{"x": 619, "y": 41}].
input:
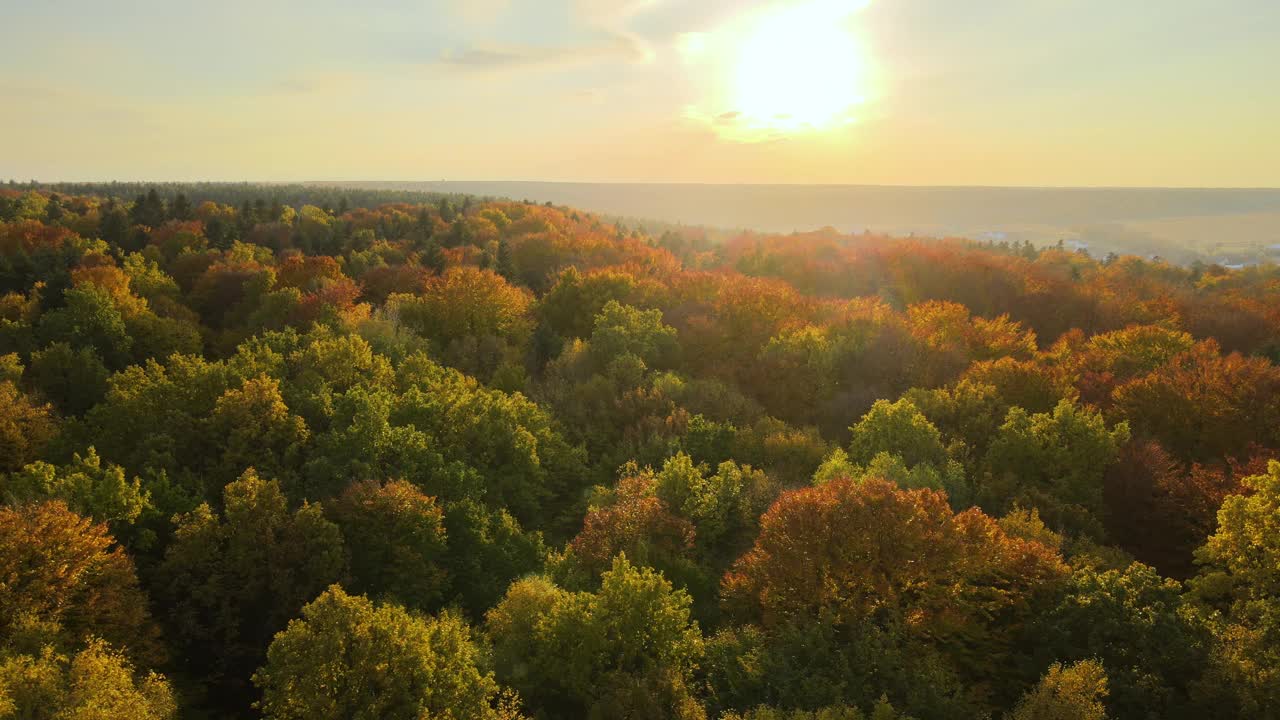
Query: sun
[{"x": 799, "y": 68}]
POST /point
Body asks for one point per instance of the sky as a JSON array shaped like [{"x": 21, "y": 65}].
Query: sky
[{"x": 1094, "y": 93}]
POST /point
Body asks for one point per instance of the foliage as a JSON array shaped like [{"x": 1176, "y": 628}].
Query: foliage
[
  {"x": 1240, "y": 576},
  {"x": 850, "y": 553},
  {"x": 1054, "y": 462},
  {"x": 1133, "y": 622},
  {"x": 25, "y": 427},
  {"x": 1066, "y": 693},
  {"x": 94, "y": 682},
  {"x": 231, "y": 581},
  {"x": 882, "y": 711},
  {"x": 899, "y": 429},
  {"x": 477, "y": 407},
  {"x": 63, "y": 568},
  {"x": 101, "y": 493},
  {"x": 397, "y": 541},
  {"x": 628, "y": 650},
  {"x": 349, "y": 658}
]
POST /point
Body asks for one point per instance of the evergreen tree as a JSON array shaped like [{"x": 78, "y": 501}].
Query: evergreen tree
[
  {"x": 506, "y": 266},
  {"x": 113, "y": 227},
  {"x": 181, "y": 209},
  {"x": 54, "y": 211}
]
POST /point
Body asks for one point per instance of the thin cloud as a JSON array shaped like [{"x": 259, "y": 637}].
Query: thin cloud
[
  {"x": 488, "y": 58},
  {"x": 732, "y": 127},
  {"x": 614, "y": 17},
  {"x": 514, "y": 57},
  {"x": 607, "y": 19},
  {"x": 313, "y": 83}
]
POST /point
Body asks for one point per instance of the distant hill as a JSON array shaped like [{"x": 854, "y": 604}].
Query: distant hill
[{"x": 1221, "y": 225}]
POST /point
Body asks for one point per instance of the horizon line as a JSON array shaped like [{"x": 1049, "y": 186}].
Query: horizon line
[{"x": 681, "y": 183}]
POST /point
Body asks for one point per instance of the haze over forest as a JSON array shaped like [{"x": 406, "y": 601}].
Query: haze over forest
[{"x": 1185, "y": 224}]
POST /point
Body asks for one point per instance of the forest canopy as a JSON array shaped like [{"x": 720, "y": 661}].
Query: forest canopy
[{"x": 310, "y": 452}]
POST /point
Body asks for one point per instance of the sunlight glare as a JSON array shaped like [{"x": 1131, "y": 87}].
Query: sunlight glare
[{"x": 799, "y": 68}]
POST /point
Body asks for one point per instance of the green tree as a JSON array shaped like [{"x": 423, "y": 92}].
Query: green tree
[
  {"x": 949, "y": 478},
  {"x": 898, "y": 428},
  {"x": 252, "y": 427},
  {"x": 31, "y": 205},
  {"x": 97, "y": 682},
  {"x": 531, "y": 470},
  {"x": 724, "y": 506},
  {"x": 837, "y": 466},
  {"x": 89, "y": 319},
  {"x": 967, "y": 411},
  {"x": 75, "y": 380},
  {"x": 113, "y": 224},
  {"x": 488, "y": 549},
  {"x": 801, "y": 364},
  {"x": 625, "y": 330},
  {"x": 160, "y": 337},
  {"x": 231, "y": 582},
  {"x": 396, "y": 537},
  {"x": 446, "y": 210},
  {"x": 11, "y": 369},
  {"x": 362, "y": 442},
  {"x": 53, "y": 210},
  {"x": 1054, "y": 462},
  {"x": 433, "y": 257},
  {"x": 1240, "y": 578},
  {"x": 149, "y": 209},
  {"x": 1075, "y": 692},
  {"x": 181, "y": 208},
  {"x": 1134, "y": 622},
  {"x": 506, "y": 265},
  {"x": 628, "y": 650},
  {"x": 154, "y": 419},
  {"x": 103, "y": 493},
  {"x": 348, "y": 658},
  {"x": 816, "y": 667},
  {"x": 571, "y": 305}
]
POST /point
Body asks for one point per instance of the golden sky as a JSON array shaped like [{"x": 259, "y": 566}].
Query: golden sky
[{"x": 917, "y": 92}]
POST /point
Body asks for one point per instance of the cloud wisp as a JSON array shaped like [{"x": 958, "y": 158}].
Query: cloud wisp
[
  {"x": 515, "y": 57},
  {"x": 607, "y": 20}
]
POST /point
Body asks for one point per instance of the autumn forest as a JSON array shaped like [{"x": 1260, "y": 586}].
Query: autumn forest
[{"x": 292, "y": 452}]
